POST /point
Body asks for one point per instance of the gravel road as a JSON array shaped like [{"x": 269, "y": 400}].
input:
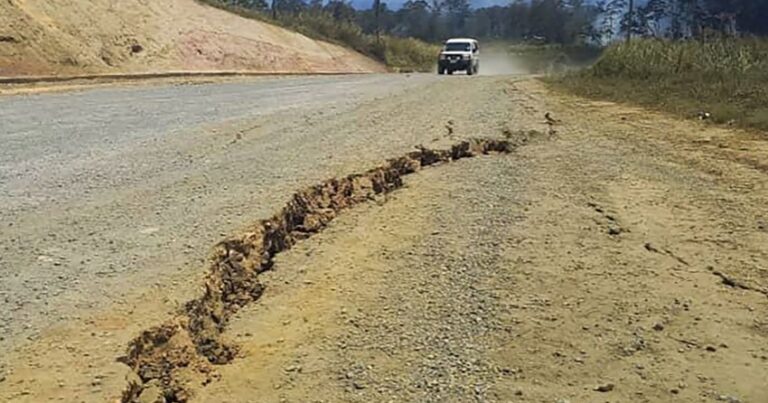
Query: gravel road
[
  {"x": 106, "y": 188},
  {"x": 97, "y": 186},
  {"x": 589, "y": 266},
  {"x": 618, "y": 257}
]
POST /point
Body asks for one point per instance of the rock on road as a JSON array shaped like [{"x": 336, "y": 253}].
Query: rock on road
[{"x": 588, "y": 266}]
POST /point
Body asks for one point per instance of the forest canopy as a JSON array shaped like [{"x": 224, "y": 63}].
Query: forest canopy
[{"x": 545, "y": 21}]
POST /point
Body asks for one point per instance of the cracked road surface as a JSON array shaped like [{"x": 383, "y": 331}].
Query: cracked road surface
[
  {"x": 621, "y": 258},
  {"x": 98, "y": 186}
]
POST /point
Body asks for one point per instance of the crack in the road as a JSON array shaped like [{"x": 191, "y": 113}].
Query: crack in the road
[
  {"x": 651, "y": 248},
  {"x": 735, "y": 283},
  {"x": 191, "y": 341},
  {"x": 724, "y": 278}
]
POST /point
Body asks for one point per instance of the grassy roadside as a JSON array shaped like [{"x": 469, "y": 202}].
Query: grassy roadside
[
  {"x": 399, "y": 54},
  {"x": 727, "y": 78},
  {"x": 553, "y": 58}
]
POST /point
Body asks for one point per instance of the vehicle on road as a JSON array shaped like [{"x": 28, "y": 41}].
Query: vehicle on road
[{"x": 459, "y": 54}]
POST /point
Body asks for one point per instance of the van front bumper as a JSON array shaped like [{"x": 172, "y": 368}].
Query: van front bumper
[{"x": 454, "y": 65}]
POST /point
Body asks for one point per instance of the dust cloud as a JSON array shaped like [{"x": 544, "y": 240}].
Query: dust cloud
[
  {"x": 510, "y": 59},
  {"x": 499, "y": 61}
]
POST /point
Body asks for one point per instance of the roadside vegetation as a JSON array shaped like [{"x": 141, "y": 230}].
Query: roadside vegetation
[
  {"x": 407, "y": 38},
  {"x": 552, "y": 58},
  {"x": 697, "y": 58},
  {"x": 400, "y": 54},
  {"x": 320, "y": 22},
  {"x": 724, "y": 79}
]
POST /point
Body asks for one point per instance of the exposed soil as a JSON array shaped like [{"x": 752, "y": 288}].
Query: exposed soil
[
  {"x": 620, "y": 257},
  {"x": 193, "y": 339},
  {"x": 601, "y": 265},
  {"x": 72, "y": 37}
]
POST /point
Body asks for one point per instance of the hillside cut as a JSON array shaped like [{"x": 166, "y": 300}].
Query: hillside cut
[{"x": 71, "y": 37}]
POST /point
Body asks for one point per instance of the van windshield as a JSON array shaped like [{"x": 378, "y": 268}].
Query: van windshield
[{"x": 457, "y": 47}]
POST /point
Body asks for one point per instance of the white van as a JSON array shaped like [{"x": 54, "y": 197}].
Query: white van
[{"x": 459, "y": 54}]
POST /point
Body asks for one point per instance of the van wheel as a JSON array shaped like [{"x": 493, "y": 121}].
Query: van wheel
[
  {"x": 441, "y": 71},
  {"x": 470, "y": 71},
  {"x": 450, "y": 72}
]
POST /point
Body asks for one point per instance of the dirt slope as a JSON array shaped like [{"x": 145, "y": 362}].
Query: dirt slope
[{"x": 39, "y": 37}]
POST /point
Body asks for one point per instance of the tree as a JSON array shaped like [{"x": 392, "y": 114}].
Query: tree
[
  {"x": 612, "y": 15},
  {"x": 488, "y": 22},
  {"x": 579, "y": 23},
  {"x": 552, "y": 21},
  {"x": 752, "y": 16},
  {"x": 414, "y": 19},
  {"x": 630, "y": 20},
  {"x": 651, "y": 16},
  {"x": 377, "y": 16},
  {"x": 436, "y": 26},
  {"x": 258, "y": 5},
  {"x": 479, "y": 24},
  {"x": 518, "y": 22},
  {"x": 291, "y": 6},
  {"x": 340, "y": 11},
  {"x": 547, "y": 19},
  {"x": 315, "y": 6},
  {"x": 373, "y": 21},
  {"x": 457, "y": 12}
]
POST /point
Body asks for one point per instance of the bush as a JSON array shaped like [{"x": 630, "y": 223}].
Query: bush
[
  {"x": 405, "y": 54},
  {"x": 716, "y": 58},
  {"x": 402, "y": 54},
  {"x": 726, "y": 77}
]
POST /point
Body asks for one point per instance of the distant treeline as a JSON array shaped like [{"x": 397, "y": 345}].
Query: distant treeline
[{"x": 546, "y": 21}]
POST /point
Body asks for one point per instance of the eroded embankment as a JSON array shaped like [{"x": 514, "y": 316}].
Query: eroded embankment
[{"x": 188, "y": 345}]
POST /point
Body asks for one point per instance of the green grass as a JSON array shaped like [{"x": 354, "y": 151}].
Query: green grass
[
  {"x": 400, "y": 54},
  {"x": 408, "y": 54},
  {"x": 724, "y": 76}
]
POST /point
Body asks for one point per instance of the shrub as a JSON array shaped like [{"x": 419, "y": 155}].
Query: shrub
[
  {"x": 711, "y": 58},
  {"x": 407, "y": 54},
  {"x": 402, "y": 54},
  {"x": 726, "y": 77}
]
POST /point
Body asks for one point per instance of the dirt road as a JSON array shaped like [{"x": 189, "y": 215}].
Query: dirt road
[
  {"x": 616, "y": 256},
  {"x": 93, "y": 181}
]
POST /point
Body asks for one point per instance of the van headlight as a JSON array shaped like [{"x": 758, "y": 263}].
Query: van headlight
[
  {"x": 466, "y": 57},
  {"x": 442, "y": 57}
]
